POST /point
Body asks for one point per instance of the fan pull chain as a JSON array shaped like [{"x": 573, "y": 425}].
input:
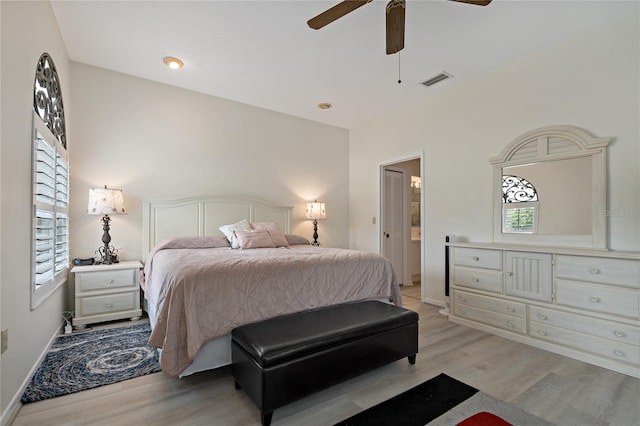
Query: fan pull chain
[{"x": 399, "y": 80}]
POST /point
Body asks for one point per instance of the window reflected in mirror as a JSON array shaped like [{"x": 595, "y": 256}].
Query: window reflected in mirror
[
  {"x": 563, "y": 197},
  {"x": 519, "y": 205}
]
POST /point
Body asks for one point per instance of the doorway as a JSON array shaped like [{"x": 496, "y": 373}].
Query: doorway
[{"x": 401, "y": 207}]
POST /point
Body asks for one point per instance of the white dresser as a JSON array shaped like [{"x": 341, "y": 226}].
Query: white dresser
[
  {"x": 106, "y": 292},
  {"x": 584, "y": 304}
]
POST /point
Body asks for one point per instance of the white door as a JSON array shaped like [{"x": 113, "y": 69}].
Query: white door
[{"x": 393, "y": 213}]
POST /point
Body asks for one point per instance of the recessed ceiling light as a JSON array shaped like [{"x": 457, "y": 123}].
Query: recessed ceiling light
[
  {"x": 173, "y": 63},
  {"x": 324, "y": 105}
]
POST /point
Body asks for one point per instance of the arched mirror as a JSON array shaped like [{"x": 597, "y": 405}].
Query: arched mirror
[{"x": 550, "y": 188}]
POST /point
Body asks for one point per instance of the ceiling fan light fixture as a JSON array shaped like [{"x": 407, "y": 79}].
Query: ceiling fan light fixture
[
  {"x": 324, "y": 105},
  {"x": 437, "y": 79},
  {"x": 173, "y": 63}
]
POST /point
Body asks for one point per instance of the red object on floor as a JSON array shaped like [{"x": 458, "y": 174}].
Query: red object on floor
[{"x": 484, "y": 419}]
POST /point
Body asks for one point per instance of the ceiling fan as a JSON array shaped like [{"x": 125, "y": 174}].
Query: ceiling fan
[{"x": 395, "y": 18}]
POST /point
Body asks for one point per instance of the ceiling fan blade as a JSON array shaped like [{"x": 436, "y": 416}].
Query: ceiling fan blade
[
  {"x": 476, "y": 2},
  {"x": 395, "y": 26},
  {"x": 337, "y": 11}
]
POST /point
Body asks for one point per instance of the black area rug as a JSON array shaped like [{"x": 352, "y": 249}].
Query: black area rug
[
  {"x": 88, "y": 360},
  {"x": 443, "y": 401},
  {"x": 417, "y": 406}
]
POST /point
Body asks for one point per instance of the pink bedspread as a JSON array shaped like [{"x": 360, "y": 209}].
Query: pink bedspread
[{"x": 202, "y": 293}]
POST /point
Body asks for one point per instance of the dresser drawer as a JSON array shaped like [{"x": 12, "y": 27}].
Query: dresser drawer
[
  {"x": 505, "y": 307},
  {"x": 101, "y": 280},
  {"x": 105, "y": 304},
  {"x": 480, "y": 279},
  {"x": 619, "y": 272},
  {"x": 606, "y": 329},
  {"x": 478, "y": 258},
  {"x": 614, "y": 301},
  {"x": 617, "y": 351},
  {"x": 517, "y": 325}
]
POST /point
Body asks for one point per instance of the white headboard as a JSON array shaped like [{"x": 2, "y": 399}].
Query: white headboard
[{"x": 201, "y": 216}]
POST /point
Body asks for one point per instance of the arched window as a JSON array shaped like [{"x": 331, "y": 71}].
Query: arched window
[
  {"x": 519, "y": 205},
  {"x": 50, "y": 227}
]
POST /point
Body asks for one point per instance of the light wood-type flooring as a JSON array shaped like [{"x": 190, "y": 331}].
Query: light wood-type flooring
[{"x": 558, "y": 389}]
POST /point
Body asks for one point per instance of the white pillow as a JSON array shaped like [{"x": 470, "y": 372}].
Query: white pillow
[
  {"x": 254, "y": 238},
  {"x": 275, "y": 233},
  {"x": 228, "y": 231}
]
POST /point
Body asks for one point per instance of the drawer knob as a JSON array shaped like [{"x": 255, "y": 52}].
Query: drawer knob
[
  {"x": 461, "y": 299},
  {"x": 594, "y": 270},
  {"x": 542, "y": 316},
  {"x": 109, "y": 305},
  {"x": 476, "y": 258},
  {"x": 509, "y": 273},
  {"x": 618, "y": 352},
  {"x": 109, "y": 280},
  {"x": 510, "y": 324},
  {"x": 475, "y": 280},
  {"x": 619, "y": 333},
  {"x": 542, "y": 332},
  {"x": 510, "y": 309},
  {"x": 594, "y": 299},
  {"x": 462, "y": 311}
]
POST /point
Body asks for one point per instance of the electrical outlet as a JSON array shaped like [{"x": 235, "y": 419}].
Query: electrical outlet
[{"x": 5, "y": 340}]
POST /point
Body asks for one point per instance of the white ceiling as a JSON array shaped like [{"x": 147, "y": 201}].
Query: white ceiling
[{"x": 262, "y": 53}]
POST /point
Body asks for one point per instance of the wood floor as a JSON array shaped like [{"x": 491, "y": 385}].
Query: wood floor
[{"x": 558, "y": 389}]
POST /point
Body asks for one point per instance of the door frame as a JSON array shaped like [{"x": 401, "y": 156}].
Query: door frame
[{"x": 390, "y": 163}]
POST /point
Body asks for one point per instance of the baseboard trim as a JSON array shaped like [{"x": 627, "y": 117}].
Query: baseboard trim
[
  {"x": 9, "y": 415},
  {"x": 433, "y": 302}
]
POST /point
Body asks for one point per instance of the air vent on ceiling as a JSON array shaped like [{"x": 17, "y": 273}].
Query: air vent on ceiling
[{"x": 437, "y": 79}]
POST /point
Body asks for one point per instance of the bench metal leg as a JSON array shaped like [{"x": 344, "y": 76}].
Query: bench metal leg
[
  {"x": 412, "y": 359},
  {"x": 265, "y": 418}
]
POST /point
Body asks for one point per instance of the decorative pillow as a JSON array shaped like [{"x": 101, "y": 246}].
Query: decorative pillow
[
  {"x": 254, "y": 238},
  {"x": 296, "y": 240},
  {"x": 228, "y": 231},
  {"x": 275, "y": 233},
  {"x": 196, "y": 242}
]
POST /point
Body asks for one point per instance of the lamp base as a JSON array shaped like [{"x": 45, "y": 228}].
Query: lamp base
[
  {"x": 315, "y": 234},
  {"x": 107, "y": 255}
]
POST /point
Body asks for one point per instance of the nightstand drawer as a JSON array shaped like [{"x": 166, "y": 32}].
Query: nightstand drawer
[
  {"x": 105, "y": 280},
  {"x": 478, "y": 258},
  {"x": 99, "y": 305},
  {"x": 480, "y": 279}
]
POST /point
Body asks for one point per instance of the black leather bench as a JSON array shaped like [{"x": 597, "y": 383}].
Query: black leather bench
[{"x": 282, "y": 359}]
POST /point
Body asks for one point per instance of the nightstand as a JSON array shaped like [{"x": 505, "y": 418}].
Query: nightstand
[{"x": 106, "y": 293}]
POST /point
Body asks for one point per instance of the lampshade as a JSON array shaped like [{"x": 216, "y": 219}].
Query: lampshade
[
  {"x": 106, "y": 201},
  {"x": 316, "y": 211}
]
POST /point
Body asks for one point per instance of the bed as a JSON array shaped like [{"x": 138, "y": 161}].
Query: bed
[{"x": 197, "y": 287}]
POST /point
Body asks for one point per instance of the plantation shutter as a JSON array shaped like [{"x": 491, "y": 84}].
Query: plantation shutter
[{"x": 51, "y": 217}]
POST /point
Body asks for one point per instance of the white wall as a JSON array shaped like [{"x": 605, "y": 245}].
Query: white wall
[
  {"x": 156, "y": 141},
  {"x": 28, "y": 29},
  {"x": 589, "y": 80}
]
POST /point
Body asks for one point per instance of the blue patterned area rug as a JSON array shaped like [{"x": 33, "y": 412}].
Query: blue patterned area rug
[{"x": 88, "y": 360}]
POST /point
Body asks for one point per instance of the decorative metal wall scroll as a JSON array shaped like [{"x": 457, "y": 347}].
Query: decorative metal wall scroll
[
  {"x": 517, "y": 190},
  {"x": 47, "y": 98}
]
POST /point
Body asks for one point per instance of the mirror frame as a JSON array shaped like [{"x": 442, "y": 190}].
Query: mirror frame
[{"x": 554, "y": 143}]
